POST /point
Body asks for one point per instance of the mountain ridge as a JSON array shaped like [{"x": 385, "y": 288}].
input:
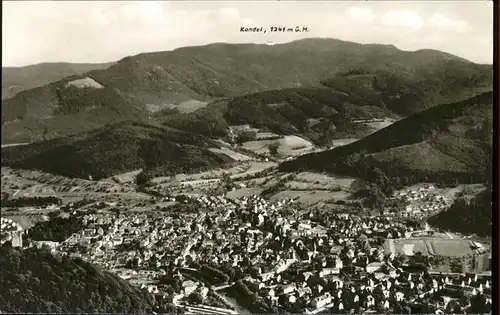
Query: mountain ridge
[
  {"x": 118, "y": 148},
  {"x": 449, "y": 142},
  {"x": 217, "y": 71},
  {"x": 22, "y": 78}
]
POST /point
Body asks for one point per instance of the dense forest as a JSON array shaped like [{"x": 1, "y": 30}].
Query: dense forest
[
  {"x": 34, "y": 281},
  {"x": 116, "y": 149},
  {"x": 56, "y": 230},
  {"x": 467, "y": 217},
  {"x": 449, "y": 143}
]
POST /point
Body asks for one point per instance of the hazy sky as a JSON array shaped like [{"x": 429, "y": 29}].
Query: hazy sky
[{"x": 50, "y": 31}]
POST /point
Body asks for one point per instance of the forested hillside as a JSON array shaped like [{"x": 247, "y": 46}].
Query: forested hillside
[
  {"x": 34, "y": 281},
  {"x": 467, "y": 216},
  {"x": 449, "y": 143},
  {"x": 116, "y": 149},
  {"x": 379, "y": 76}
]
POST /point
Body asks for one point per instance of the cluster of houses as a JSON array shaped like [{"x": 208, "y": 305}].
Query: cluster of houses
[
  {"x": 320, "y": 287},
  {"x": 414, "y": 194},
  {"x": 292, "y": 258},
  {"x": 140, "y": 239},
  {"x": 422, "y": 201},
  {"x": 377, "y": 291}
]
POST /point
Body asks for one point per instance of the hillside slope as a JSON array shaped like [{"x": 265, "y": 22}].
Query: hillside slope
[
  {"x": 34, "y": 281},
  {"x": 18, "y": 79},
  {"x": 467, "y": 217},
  {"x": 317, "y": 113},
  {"x": 211, "y": 72},
  {"x": 326, "y": 111},
  {"x": 406, "y": 92},
  {"x": 78, "y": 106},
  {"x": 450, "y": 142},
  {"x": 115, "y": 149}
]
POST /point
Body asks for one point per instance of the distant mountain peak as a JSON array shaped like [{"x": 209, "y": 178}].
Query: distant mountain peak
[{"x": 221, "y": 70}]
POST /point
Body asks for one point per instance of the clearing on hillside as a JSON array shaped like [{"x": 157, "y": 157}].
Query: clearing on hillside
[
  {"x": 288, "y": 145},
  {"x": 85, "y": 83}
]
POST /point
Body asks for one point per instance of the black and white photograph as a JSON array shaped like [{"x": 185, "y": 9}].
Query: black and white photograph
[{"x": 248, "y": 157}]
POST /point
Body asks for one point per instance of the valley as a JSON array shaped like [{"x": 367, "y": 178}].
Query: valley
[{"x": 199, "y": 180}]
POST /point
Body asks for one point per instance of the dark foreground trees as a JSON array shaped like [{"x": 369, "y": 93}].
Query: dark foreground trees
[{"x": 34, "y": 281}]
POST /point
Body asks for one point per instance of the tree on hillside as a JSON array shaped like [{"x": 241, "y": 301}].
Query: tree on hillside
[
  {"x": 5, "y": 195},
  {"x": 385, "y": 183},
  {"x": 326, "y": 137},
  {"x": 226, "y": 181},
  {"x": 45, "y": 133},
  {"x": 225, "y": 185},
  {"x": 375, "y": 198},
  {"x": 142, "y": 178},
  {"x": 245, "y": 136},
  {"x": 273, "y": 148},
  {"x": 352, "y": 159},
  {"x": 195, "y": 298}
]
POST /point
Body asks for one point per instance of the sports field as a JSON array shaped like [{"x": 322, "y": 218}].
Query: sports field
[{"x": 429, "y": 247}]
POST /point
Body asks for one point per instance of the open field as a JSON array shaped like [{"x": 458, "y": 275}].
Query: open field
[
  {"x": 429, "y": 247},
  {"x": 450, "y": 247},
  {"x": 408, "y": 247},
  {"x": 324, "y": 179},
  {"x": 295, "y": 185},
  {"x": 85, "y": 83},
  {"x": 34, "y": 191},
  {"x": 266, "y": 135},
  {"x": 21, "y": 183},
  {"x": 13, "y": 144},
  {"x": 119, "y": 197},
  {"x": 183, "y": 107},
  {"x": 244, "y": 192},
  {"x": 341, "y": 142},
  {"x": 310, "y": 196},
  {"x": 188, "y": 106},
  {"x": 232, "y": 154},
  {"x": 288, "y": 145},
  {"x": 254, "y": 182},
  {"x": 251, "y": 168},
  {"x": 241, "y": 170},
  {"x": 306, "y": 186},
  {"x": 381, "y": 124},
  {"x": 128, "y": 177}
]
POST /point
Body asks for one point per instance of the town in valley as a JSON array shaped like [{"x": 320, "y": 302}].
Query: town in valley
[
  {"x": 215, "y": 242},
  {"x": 247, "y": 157}
]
